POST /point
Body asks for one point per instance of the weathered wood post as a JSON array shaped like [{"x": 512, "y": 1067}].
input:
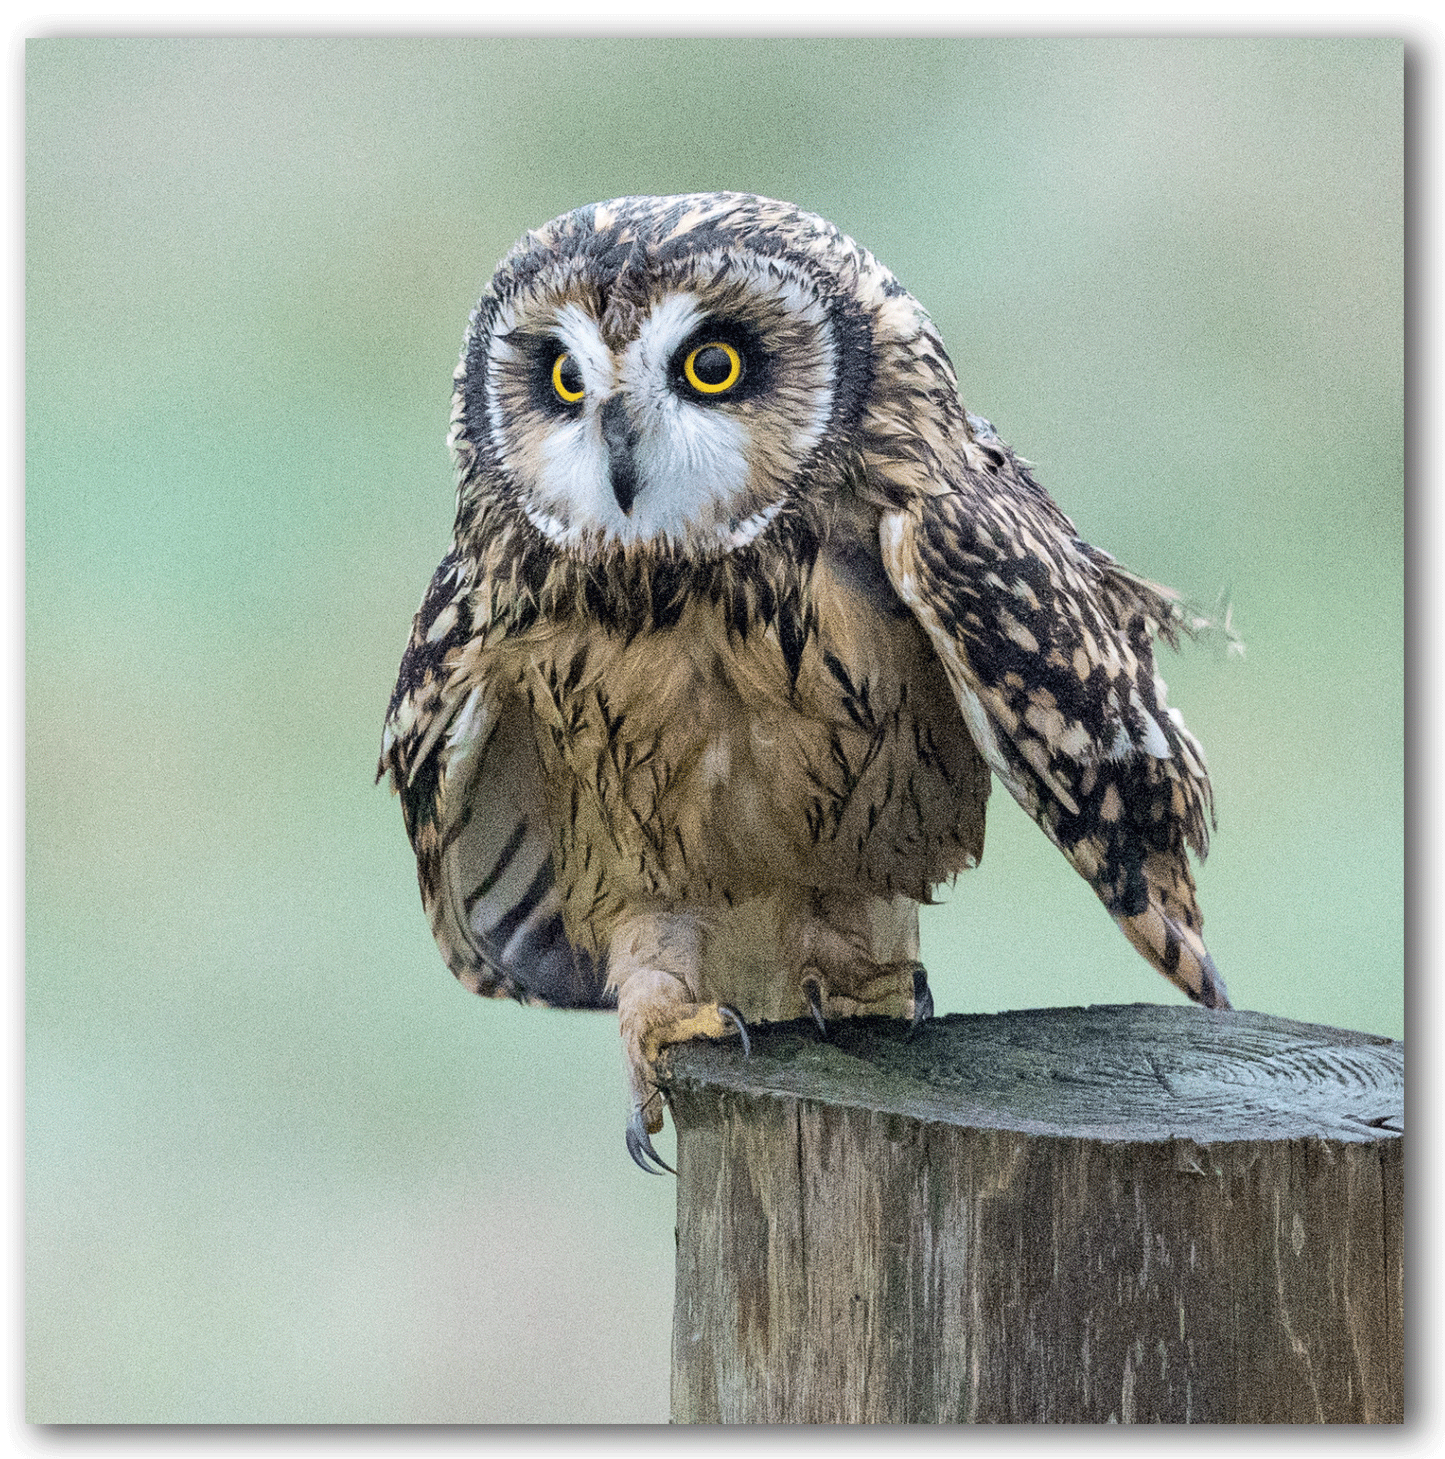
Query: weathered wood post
[{"x": 1092, "y": 1215}]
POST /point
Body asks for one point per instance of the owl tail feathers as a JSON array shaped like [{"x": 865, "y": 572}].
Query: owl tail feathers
[{"x": 1178, "y": 952}]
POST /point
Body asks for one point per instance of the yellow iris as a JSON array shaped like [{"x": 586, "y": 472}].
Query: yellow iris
[
  {"x": 713, "y": 368},
  {"x": 567, "y": 379}
]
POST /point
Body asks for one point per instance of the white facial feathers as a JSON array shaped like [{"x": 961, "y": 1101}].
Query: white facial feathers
[
  {"x": 642, "y": 457},
  {"x": 692, "y": 459}
]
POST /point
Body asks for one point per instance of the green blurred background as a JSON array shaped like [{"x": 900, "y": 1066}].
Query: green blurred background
[{"x": 279, "y": 1166}]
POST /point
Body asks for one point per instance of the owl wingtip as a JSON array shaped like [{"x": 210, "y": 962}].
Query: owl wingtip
[
  {"x": 1212, "y": 992},
  {"x": 1179, "y": 953}
]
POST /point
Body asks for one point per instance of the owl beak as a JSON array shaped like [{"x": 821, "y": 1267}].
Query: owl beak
[{"x": 621, "y": 442}]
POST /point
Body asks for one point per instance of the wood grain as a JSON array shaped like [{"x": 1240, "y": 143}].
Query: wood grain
[{"x": 1126, "y": 1214}]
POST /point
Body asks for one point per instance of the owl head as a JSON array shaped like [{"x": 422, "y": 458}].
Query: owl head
[{"x": 670, "y": 372}]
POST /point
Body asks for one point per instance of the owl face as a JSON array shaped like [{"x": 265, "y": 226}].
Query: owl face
[{"x": 634, "y": 378}]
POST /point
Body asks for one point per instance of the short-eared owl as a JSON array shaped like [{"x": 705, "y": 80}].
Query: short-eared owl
[{"x": 741, "y": 611}]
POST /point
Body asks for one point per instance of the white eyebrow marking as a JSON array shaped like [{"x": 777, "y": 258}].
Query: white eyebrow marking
[
  {"x": 579, "y": 333},
  {"x": 663, "y": 330}
]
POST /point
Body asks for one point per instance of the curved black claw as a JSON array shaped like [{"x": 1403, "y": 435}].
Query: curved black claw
[
  {"x": 736, "y": 1019},
  {"x": 922, "y": 999},
  {"x": 814, "y": 990},
  {"x": 639, "y": 1146}
]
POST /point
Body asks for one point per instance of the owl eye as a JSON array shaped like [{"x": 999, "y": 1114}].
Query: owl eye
[
  {"x": 567, "y": 379},
  {"x": 713, "y": 368}
]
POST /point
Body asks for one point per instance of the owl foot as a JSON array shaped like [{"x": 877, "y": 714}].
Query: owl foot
[
  {"x": 639, "y": 1145},
  {"x": 656, "y": 1009},
  {"x": 862, "y": 989}
]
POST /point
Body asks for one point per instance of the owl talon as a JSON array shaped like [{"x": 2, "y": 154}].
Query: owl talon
[
  {"x": 639, "y": 1146},
  {"x": 814, "y": 990},
  {"x": 922, "y": 1000},
  {"x": 736, "y": 1019}
]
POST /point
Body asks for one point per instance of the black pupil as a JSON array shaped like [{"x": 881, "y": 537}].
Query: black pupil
[
  {"x": 712, "y": 365},
  {"x": 570, "y": 375}
]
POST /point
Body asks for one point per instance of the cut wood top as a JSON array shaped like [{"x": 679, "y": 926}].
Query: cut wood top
[{"x": 1132, "y": 1072}]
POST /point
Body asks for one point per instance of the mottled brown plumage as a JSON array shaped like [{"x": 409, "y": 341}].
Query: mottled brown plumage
[{"x": 742, "y": 608}]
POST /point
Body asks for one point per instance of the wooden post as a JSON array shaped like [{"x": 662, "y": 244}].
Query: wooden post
[{"x": 1072, "y": 1215}]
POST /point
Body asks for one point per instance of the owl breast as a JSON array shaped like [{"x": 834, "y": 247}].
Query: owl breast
[{"x": 684, "y": 766}]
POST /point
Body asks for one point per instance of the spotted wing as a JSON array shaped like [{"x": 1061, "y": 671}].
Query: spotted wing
[
  {"x": 462, "y": 758},
  {"x": 1049, "y": 646}
]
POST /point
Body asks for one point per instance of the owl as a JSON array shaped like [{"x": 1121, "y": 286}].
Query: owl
[{"x": 743, "y": 611}]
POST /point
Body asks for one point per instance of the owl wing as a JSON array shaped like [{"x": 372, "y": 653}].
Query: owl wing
[
  {"x": 461, "y": 756},
  {"x": 1048, "y": 644}
]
